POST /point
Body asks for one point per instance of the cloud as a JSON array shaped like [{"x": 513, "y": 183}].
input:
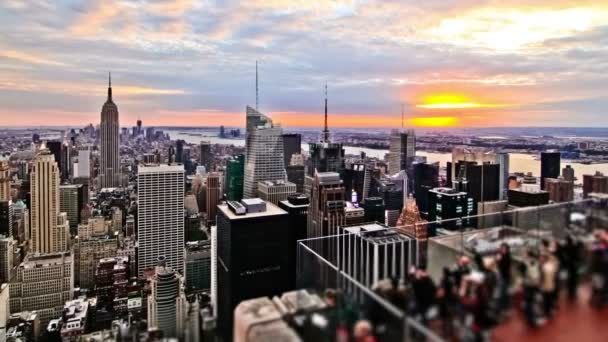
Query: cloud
[{"x": 181, "y": 56}]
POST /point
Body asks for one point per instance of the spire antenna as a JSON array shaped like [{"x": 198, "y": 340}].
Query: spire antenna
[
  {"x": 326, "y": 129},
  {"x": 257, "y": 96},
  {"x": 402, "y": 115},
  {"x": 109, "y": 86}
]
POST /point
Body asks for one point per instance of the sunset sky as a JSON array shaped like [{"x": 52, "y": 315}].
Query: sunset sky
[{"x": 463, "y": 63}]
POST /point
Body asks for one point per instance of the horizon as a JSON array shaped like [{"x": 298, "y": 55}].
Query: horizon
[{"x": 451, "y": 65}]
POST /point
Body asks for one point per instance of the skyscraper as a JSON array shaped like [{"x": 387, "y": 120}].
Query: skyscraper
[
  {"x": 253, "y": 255},
  {"x": 549, "y": 166},
  {"x": 205, "y": 156},
  {"x": 502, "y": 159},
  {"x": 49, "y": 227},
  {"x": 235, "y": 170},
  {"x": 292, "y": 144},
  {"x": 326, "y": 212},
  {"x": 5, "y": 181},
  {"x": 167, "y": 301},
  {"x": 426, "y": 177},
  {"x": 214, "y": 193},
  {"x": 568, "y": 173},
  {"x": 71, "y": 201},
  {"x": 179, "y": 151},
  {"x": 109, "y": 171},
  {"x": 160, "y": 216},
  {"x": 448, "y": 207},
  {"x": 325, "y": 156},
  {"x": 84, "y": 163},
  {"x": 402, "y": 151},
  {"x": 264, "y": 159},
  {"x": 559, "y": 189}
]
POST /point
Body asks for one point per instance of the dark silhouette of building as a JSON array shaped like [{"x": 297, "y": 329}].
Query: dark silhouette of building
[
  {"x": 481, "y": 181},
  {"x": 296, "y": 175},
  {"x": 179, "y": 151},
  {"x": 520, "y": 198},
  {"x": 449, "y": 209},
  {"x": 296, "y": 207},
  {"x": 374, "y": 209},
  {"x": 549, "y": 166},
  {"x": 426, "y": 177},
  {"x": 235, "y": 171},
  {"x": 292, "y": 144},
  {"x": 253, "y": 251}
]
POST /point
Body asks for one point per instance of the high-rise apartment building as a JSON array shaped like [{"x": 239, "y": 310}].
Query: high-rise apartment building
[
  {"x": 549, "y": 166},
  {"x": 49, "y": 228},
  {"x": 402, "y": 150},
  {"x": 568, "y": 173},
  {"x": 109, "y": 170},
  {"x": 160, "y": 216},
  {"x": 276, "y": 191},
  {"x": 560, "y": 190},
  {"x": 167, "y": 302},
  {"x": 597, "y": 183},
  {"x": 264, "y": 159}
]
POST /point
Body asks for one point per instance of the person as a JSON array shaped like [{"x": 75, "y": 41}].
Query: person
[
  {"x": 463, "y": 268},
  {"x": 549, "y": 269},
  {"x": 505, "y": 263},
  {"x": 424, "y": 293},
  {"x": 448, "y": 299},
  {"x": 475, "y": 297},
  {"x": 599, "y": 269},
  {"x": 362, "y": 331},
  {"x": 530, "y": 273},
  {"x": 571, "y": 252}
]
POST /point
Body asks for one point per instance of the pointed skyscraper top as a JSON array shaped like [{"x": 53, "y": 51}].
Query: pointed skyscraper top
[
  {"x": 326, "y": 129},
  {"x": 110, "y": 86}
]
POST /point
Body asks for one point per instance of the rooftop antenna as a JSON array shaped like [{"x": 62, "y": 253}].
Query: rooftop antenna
[
  {"x": 326, "y": 129},
  {"x": 402, "y": 114},
  {"x": 257, "y": 97},
  {"x": 109, "y": 86}
]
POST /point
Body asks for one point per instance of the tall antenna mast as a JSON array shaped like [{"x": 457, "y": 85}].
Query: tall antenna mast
[
  {"x": 326, "y": 129},
  {"x": 402, "y": 114},
  {"x": 257, "y": 97}
]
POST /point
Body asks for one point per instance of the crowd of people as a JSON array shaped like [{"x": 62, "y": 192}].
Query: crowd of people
[{"x": 478, "y": 293}]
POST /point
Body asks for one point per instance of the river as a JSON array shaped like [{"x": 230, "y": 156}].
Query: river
[{"x": 518, "y": 162}]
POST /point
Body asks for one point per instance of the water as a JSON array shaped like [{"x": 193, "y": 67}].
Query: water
[{"x": 519, "y": 162}]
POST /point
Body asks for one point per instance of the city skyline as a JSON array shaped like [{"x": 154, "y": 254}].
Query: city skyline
[{"x": 453, "y": 64}]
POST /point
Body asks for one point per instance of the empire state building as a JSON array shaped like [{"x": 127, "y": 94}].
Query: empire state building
[{"x": 109, "y": 173}]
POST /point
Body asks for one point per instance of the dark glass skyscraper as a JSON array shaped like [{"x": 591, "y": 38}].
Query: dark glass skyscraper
[
  {"x": 426, "y": 177},
  {"x": 252, "y": 257},
  {"x": 292, "y": 144},
  {"x": 549, "y": 166}
]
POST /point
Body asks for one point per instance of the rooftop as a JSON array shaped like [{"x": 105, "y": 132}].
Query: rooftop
[
  {"x": 271, "y": 210},
  {"x": 155, "y": 168}
]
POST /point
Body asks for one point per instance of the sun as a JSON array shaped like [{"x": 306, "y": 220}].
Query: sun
[{"x": 452, "y": 101}]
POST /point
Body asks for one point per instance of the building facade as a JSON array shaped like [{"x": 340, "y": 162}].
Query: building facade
[
  {"x": 49, "y": 228},
  {"x": 160, "y": 216},
  {"x": 109, "y": 170},
  {"x": 276, "y": 191},
  {"x": 402, "y": 150}
]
